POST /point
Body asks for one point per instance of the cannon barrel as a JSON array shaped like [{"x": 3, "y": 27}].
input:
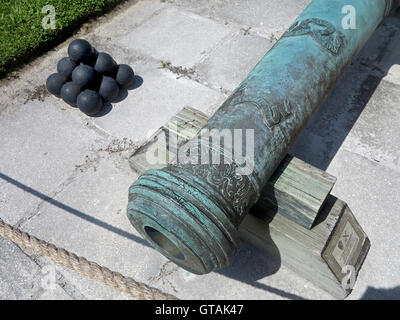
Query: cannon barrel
[{"x": 190, "y": 211}]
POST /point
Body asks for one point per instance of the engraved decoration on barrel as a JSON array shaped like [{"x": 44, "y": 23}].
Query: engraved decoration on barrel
[
  {"x": 272, "y": 113},
  {"x": 321, "y": 31}
]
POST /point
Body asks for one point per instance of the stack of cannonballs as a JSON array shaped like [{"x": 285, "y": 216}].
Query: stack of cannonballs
[{"x": 88, "y": 79}]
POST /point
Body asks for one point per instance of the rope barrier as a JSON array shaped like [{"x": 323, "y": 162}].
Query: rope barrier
[{"x": 90, "y": 269}]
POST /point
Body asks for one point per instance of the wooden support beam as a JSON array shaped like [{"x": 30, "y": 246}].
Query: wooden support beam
[{"x": 328, "y": 255}]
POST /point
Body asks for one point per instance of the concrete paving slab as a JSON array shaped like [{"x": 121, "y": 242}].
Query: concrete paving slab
[
  {"x": 21, "y": 278},
  {"x": 393, "y": 75},
  {"x": 268, "y": 17},
  {"x": 89, "y": 218},
  {"x": 123, "y": 19},
  {"x": 229, "y": 64},
  {"x": 40, "y": 145},
  {"x": 375, "y": 135},
  {"x": 162, "y": 95},
  {"x": 176, "y": 36},
  {"x": 252, "y": 275},
  {"x": 88, "y": 289}
]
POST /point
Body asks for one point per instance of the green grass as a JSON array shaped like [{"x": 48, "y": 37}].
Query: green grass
[{"x": 22, "y": 36}]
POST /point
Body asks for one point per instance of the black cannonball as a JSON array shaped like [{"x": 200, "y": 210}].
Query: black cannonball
[
  {"x": 108, "y": 89},
  {"x": 86, "y": 77},
  {"x": 105, "y": 64},
  {"x": 91, "y": 60},
  {"x": 124, "y": 76},
  {"x": 70, "y": 92},
  {"x": 54, "y": 83},
  {"x": 90, "y": 102},
  {"x": 80, "y": 50},
  {"x": 65, "y": 67}
]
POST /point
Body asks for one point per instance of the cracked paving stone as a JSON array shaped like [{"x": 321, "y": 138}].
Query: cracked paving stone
[
  {"x": 22, "y": 279},
  {"x": 40, "y": 146}
]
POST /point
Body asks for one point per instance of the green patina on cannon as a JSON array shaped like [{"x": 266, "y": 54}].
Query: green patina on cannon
[{"x": 191, "y": 212}]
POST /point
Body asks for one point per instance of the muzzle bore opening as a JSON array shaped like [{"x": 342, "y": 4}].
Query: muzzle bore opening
[{"x": 164, "y": 243}]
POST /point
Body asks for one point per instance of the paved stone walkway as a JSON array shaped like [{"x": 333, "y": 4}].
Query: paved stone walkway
[{"x": 64, "y": 176}]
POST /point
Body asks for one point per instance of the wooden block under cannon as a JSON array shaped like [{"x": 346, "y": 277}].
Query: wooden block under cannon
[
  {"x": 296, "y": 218},
  {"x": 329, "y": 255}
]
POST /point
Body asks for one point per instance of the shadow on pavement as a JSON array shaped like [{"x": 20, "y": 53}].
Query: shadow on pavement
[
  {"x": 73, "y": 211},
  {"x": 381, "y": 294},
  {"x": 324, "y": 135}
]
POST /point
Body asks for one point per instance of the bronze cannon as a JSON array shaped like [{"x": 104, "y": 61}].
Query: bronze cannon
[{"x": 190, "y": 211}]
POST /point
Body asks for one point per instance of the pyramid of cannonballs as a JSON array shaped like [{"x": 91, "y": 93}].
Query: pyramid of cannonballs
[{"x": 88, "y": 79}]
